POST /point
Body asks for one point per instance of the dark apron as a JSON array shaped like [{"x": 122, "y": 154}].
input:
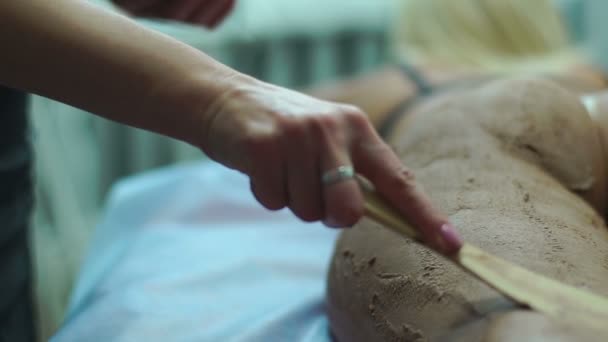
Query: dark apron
[{"x": 16, "y": 304}]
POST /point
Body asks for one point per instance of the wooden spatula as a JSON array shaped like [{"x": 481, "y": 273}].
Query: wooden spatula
[{"x": 540, "y": 293}]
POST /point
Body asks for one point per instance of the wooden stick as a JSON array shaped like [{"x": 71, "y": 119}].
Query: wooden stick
[{"x": 540, "y": 293}]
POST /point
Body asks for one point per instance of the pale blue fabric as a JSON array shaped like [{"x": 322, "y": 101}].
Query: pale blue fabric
[{"x": 187, "y": 254}]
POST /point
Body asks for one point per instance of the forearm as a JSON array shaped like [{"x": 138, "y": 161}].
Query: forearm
[{"x": 102, "y": 62}]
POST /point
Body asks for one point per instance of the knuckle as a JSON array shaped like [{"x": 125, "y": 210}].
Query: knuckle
[
  {"x": 377, "y": 147},
  {"x": 326, "y": 123},
  {"x": 351, "y": 110},
  {"x": 355, "y": 115},
  {"x": 357, "y": 120},
  {"x": 256, "y": 143},
  {"x": 328, "y": 128},
  {"x": 403, "y": 181},
  {"x": 407, "y": 175},
  {"x": 376, "y": 157},
  {"x": 368, "y": 147}
]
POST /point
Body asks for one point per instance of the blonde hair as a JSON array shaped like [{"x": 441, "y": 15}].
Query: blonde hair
[{"x": 495, "y": 35}]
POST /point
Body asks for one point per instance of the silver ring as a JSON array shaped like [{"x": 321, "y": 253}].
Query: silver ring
[{"x": 339, "y": 174}]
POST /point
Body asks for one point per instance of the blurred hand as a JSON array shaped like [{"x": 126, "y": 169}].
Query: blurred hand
[
  {"x": 285, "y": 141},
  {"x": 209, "y": 13}
]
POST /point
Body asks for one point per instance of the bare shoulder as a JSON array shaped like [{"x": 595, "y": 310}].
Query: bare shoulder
[
  {"x": 486, "y": 157},
  {"x": 376, "y": 92}
]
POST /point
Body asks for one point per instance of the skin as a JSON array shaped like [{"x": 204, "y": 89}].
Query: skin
[
  {"x": 108, "y": 65},
  {"x": 520, "y": 166},
  {"x": 380, "y": 91}
]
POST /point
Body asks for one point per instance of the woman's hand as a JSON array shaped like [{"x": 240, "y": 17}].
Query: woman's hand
[
  {"x": 286, "y": 141},
  {"x": 209, "y": 13}
]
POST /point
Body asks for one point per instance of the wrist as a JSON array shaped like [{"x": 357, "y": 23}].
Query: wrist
[
  {"x": 190, "y": 99},
  {"x": 225, "y": 92}
]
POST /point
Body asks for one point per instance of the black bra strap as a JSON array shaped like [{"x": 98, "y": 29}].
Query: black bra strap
[
  {"x": 423, "y": 88},
  {"x": 391, "y": 119}
]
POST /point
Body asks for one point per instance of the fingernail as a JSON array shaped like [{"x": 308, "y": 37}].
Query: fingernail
[{"x": 452, "y": 240}]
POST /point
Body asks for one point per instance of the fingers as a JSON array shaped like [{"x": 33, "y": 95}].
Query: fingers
[
  {"x": 303, "y": 182},
  {"x": 377, "y": 162},
  {"x": 309, "y": 147},
  {"x": 343, "y": 199},
  {"x": 286, "y": 142},
  {"x": 267, "y": 174}
]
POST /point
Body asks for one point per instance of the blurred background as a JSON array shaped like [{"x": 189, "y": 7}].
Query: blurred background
[{"x": 294, "y": 43}]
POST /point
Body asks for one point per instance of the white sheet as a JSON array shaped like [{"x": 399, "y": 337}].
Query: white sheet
[{"x": 186, "y": 254}]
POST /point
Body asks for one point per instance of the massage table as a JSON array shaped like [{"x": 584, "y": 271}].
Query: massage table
[{"x": 185, "y": 253}]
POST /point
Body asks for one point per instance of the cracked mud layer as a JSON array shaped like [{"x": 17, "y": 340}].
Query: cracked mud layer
[{"x": 519, "y": 168}]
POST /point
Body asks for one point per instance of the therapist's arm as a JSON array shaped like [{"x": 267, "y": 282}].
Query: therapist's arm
[
  {"x": 105, "y": 63},
  {"x": 72, "y": 51}
]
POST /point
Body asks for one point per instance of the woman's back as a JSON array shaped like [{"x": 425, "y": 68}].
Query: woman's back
[{"x": 514, "y": 166}]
